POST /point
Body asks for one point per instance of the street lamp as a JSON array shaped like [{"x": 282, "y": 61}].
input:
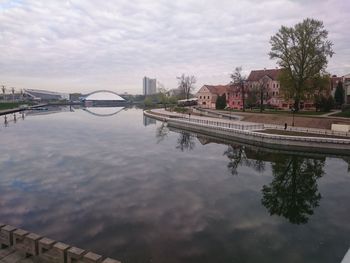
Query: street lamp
[{"x": 293, "y": 112}]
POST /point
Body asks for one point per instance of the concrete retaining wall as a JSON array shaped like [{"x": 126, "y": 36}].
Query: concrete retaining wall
[
  {"x": 313, "y": 144},
  {"x": 45, "y": 250}
]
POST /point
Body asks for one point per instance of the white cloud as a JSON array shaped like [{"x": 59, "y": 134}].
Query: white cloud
[{"x": 81, "y": 45}]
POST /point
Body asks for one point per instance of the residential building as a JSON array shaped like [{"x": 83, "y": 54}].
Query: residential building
[
  {"x": 271, "y": 89},
  {"x": 149, "y": 86},
  {"x": 208, "y": 94},
  {"x": 273, "y": 96}
]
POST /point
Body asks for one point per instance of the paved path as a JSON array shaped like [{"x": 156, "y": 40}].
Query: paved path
[
  {"x": 246, "y": 124},
  {"x": 181, "y": 115},
  {"x": 329, "y": 114}
]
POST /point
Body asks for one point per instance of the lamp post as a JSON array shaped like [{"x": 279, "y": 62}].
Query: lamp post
[{"x": 293, "y": 112}]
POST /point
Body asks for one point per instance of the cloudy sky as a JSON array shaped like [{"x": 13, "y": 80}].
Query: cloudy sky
[{"x": 84, "y": 45}]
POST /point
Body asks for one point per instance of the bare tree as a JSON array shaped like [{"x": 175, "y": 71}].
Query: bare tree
[
  {"x": 263, "y": 91},
  {"x": 3, "y": 88},
  {"x": 238, "y": 78},
  {"x": 13, "y": 93},
  {"x": 186, "y": 84},
  {"x": 22, "y": 94}
]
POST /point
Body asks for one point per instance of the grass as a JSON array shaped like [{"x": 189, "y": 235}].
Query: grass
[
  {"x": 345, "y": 114},
  {"x": 9, "y": 105}
]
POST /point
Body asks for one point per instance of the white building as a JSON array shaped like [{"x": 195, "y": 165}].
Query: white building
[
  {"x": 149, "y": 86},
  {"x": 44, "y": 95}
]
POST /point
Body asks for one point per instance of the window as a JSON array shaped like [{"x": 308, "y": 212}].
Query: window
[
  {"x": 200, "y": 97},
  {"x": 273, "y": 93},
  {"x": 273, "y": 85},
  {"x": 208, "y": 97},
  {"x": 267, "y": 85}
]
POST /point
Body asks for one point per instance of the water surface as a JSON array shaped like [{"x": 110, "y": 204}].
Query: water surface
[{"x": 125, "y": 186}]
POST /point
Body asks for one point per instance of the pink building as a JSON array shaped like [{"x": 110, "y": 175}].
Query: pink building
[
  {"x": 272, "y": 94},
  {"x": 208, "y": 94}
]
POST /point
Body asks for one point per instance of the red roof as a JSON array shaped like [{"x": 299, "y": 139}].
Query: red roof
[
  {"x": 256, "y": 75},
  {"x": 221, "y": 89}
]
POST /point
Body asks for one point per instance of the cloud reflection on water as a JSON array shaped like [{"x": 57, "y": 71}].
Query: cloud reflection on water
[{"x": 106, "y": 184}]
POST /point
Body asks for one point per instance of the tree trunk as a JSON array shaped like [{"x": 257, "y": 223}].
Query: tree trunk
[
  {"x": 243, "y": 97},
  {"x": 296, "y": 104}
]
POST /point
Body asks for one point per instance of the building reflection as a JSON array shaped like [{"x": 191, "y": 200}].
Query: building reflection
[{"x": 148, "y": 121}]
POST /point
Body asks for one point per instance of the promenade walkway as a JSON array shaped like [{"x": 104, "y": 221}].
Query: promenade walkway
[
  {"x": 297, "y": 138},
  {"x": 256, "y": 125}
]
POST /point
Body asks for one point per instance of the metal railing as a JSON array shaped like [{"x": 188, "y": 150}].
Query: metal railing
[
  {"x": 245, "y": 127},
  {"x": 309, "y": 130}
]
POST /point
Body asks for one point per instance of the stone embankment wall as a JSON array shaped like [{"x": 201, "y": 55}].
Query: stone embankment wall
[
  {"x": 314, "y": 144},
  {"x": 18, "y": 244}
]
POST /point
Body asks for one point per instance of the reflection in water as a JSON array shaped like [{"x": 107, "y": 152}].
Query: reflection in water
[
  {"x": 293, "y": 193},
  {"x": 103, "y": 111},
  {"x": 241, "y": 156},
  {"x": 104, "y": 184},
  {"x": 185, "y": 141},
  {"x": 148, "y": 121},
  {"x": 161, "y": 132},
  {"x": 14, "y": 119}
]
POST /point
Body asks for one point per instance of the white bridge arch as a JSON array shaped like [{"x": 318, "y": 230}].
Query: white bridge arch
[{"x": 103, "y": 95}]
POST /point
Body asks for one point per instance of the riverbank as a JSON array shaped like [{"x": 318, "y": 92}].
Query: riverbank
[
  {"x": 249, "y": 132},
  {"x": 315, "y": 121}
]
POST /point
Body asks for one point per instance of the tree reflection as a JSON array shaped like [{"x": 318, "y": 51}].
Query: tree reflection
[
  {"x": 242, "y": 156},
  {"x": 185, "y": 141},
  {"x": 293, "y": 193},
  {"x": 162, "y": 132}
]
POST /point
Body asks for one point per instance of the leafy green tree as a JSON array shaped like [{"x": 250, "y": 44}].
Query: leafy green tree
[
  {"x": 293, "y": 192},
  {"x": 148, "y": 102},
  {"x": 324, "y": 103},
  {"x": 302, "y": 52},
  {"x": 220, "y": 103},
  {"x": 339, "y": 94}
]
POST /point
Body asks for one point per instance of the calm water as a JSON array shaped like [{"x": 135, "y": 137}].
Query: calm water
[{"x": 127, "y": 187}]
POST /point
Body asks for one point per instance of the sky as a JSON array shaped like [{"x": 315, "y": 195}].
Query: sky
[{"x": 87, "y": 45}]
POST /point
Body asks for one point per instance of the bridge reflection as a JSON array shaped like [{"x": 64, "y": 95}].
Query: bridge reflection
[{"x": 103, "y": 111}]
